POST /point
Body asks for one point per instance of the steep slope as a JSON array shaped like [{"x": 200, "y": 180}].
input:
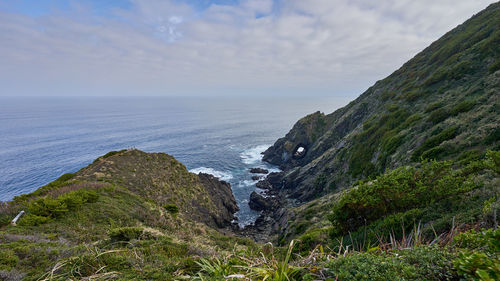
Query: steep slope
[{"x": 442, "y": 104}]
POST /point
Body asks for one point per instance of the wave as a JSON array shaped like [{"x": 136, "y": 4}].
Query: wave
[
  {"x": 225, "y": 176},
  {"x": 245, "y": 183},
  {"x": 253, "y": 155}
]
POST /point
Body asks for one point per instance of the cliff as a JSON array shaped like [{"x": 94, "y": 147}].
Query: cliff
[{"x": 443, "y": 104}]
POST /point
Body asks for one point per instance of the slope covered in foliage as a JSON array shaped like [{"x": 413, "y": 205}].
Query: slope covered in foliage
[{"x": 442, "y": 104}]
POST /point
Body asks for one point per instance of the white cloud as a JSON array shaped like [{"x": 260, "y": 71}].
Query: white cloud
[{"x": 257, "y": 47}]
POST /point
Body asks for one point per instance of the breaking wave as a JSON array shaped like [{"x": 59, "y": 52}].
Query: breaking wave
[
  {"x": 253, "y": 155},
  {"x": 225, "y": 176}
]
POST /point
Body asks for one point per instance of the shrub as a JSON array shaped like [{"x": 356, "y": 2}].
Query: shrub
[
  {"x": 492, "y": 137},
  {"x": 33, "y": 220},
  {"x": 8, "y": 259},
  {"x": 494, "y": 66},
  {"x": 374, "y": 133},
  {"x": 433, "y": 106},
  {"x": 50, "y": 208},
  {"x": 125, "y": 233},
  {"x": 462, "y": 107},
  {"x": 434, "y": 141},
  {"x": 171, "y": 208},
  {"x": 479, "y": 258},
  {"x": 412, "y": 95},
  {"x": 367, "y": 266},
  {"x": 438, "y": 115},
  {"x": 400, "y": 190}
]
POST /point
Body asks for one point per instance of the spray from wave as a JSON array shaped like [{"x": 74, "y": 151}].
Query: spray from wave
[
  {"x": 253, "y": 155},
  {"x": 225, "y": 176}
]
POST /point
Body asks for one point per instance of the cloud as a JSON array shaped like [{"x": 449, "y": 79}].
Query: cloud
[{"x": 317, "y": 47}]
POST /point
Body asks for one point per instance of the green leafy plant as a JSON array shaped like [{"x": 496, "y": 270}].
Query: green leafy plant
[{"x": 125, "y": 233}]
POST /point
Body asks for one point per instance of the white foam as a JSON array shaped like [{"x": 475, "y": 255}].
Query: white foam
[
  {"x": 225, "y": 176},
  {"x": 245, "y": 183},
  {"x": 253, "y": 155}
]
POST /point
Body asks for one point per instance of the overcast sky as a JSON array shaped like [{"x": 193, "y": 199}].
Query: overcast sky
[{"x": 208, "y": 48}]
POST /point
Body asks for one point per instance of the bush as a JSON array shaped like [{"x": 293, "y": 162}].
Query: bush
[
  {"x": 438, "y": 115},
  {"x": 375, "y": 132},
  {"x": 435, "y": 141},
  {"x": 33, "y": 220},
  {"x": 44, "y": 209},
  {"x": 398, "y": 191},
  {"x": 479, "y": 258},
  {"x": 462, "y": 107},
  {"x": 125, "y": 233},
  {"x": 171, "y": 208},
  {"x": 494, "y": 66},
  {"x": 370, "y": 267},
  {"x": 433, "y": 106},
  {"x": 418, "y": 263},
  {"x": 311, "y": 239},
  {"x": 8, "y": 259}
]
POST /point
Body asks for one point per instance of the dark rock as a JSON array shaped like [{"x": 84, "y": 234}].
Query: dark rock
[
  {"x": 276, "y": 179},
  {"x": 259, "y": 202},
  {"x": 222, "y": 195},
  {"x": 256, "y": 178},
  {"x": 258, "y": 171},
  {"x": 263, "y": 184}
]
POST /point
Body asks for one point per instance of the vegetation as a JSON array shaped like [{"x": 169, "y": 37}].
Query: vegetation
[{"x": 131, "y": 215}]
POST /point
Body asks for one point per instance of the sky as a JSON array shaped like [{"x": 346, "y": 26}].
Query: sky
[{"x": 333, "y": 48}]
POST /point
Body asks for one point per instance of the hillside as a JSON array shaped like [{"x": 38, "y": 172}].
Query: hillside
[
  {"x": 401, "y": 184},
  {"x": 443, "y": 104},
  {"x": 122, "y": 196}
]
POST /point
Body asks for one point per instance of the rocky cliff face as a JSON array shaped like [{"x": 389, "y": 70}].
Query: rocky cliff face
[
  {"x": 161, "y": 178},
  {"x": 442, "y": 104}
]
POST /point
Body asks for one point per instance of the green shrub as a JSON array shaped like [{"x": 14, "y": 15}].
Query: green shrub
[
  {"x": 57, "y": 207},
  {"x": 439, "y": 151},
  {"x": 438, "y": 115},
  {"x": 375, "y": 132},
  {"x": 412, "y": 95},
  {"x": 494, "y": 66},
  {"x": 479, "y": 258},
  {"x": 8, "y": 259},
  {"x": 462, "y": 107},
  {"x": 370, "y": 267},
  {"x": 434, "y": 141},
  {"x": 311, "y": 239},
  {"x": 418, "y": 263},
  {"x": 171, "y": 208},
  {"x": 433, "y": 106},
  {"x": 125, "y": 233},
  {"x": 33, "y": 220},
  {"x": 400, "y": 190},
  {"x": 494, "y": 136},
  {"x": 460, "y": 70}
]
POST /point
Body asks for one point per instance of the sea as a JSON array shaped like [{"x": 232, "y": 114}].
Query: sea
[{"x": 42, "y": 138}]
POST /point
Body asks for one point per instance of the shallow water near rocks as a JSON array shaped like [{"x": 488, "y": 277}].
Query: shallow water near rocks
[{"x": 43, "y": 138}]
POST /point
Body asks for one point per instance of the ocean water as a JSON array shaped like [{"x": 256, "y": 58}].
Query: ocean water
[{"x": 43, "y": 138}]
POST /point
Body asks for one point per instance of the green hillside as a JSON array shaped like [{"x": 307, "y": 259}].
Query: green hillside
[
  {"x": 401, "y": 184},
  {"x": 443, "y": 104}
]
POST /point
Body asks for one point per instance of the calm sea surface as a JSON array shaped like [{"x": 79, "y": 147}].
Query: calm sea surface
[{"x": 43, "y": 138}]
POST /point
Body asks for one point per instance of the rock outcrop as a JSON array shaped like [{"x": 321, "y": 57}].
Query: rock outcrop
[{"x": 163, "y": 179}]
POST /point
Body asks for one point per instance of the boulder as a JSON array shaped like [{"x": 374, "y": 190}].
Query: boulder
[
  {"x": 259, "y": 202},
  {"x": 258, "y": 171}
]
